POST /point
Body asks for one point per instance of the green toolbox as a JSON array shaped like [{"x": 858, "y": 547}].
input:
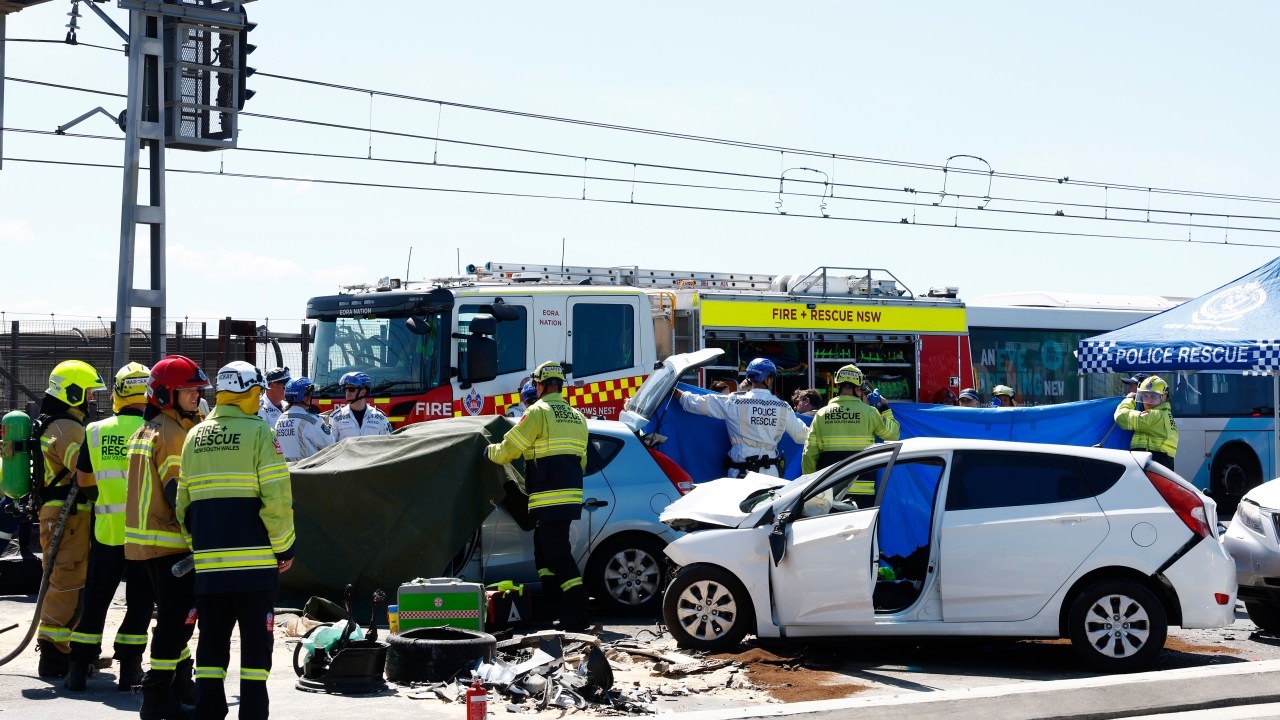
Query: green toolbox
[{"x": 442, "y": 601}]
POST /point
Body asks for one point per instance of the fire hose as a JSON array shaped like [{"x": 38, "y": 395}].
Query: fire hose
[{"x": 49, "y": 559}]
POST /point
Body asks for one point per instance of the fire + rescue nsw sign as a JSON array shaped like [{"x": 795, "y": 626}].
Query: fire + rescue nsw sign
[{"x": 798, "y": 316}]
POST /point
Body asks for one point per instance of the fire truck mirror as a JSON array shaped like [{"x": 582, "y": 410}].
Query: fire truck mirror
[
  {"x": 483, "y": 325},
  {"x": 418, "y": 325},
  {"x": 502, "y": 312},
  {"x": 482, "y": 358}
]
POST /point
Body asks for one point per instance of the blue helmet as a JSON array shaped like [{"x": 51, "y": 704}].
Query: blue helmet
[
  {"x": 358, "y": 379},
  {"x": 760, "y": 369},
  {"x": 295, "y": 391},
  {"x": 529, "y": 393}
]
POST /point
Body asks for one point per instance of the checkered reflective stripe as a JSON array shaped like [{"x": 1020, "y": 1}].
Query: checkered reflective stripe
[
  {"x": 502, "y": 402},
  {"x": 604, "y": 391},
  {"x": 1095, "y": 356},
  {"x": 1266, "y": 356},
  {"x": 438, "y": 614}
]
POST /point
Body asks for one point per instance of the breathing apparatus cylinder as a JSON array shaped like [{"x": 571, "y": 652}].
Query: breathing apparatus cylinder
[{"x": 15, "y": 454}]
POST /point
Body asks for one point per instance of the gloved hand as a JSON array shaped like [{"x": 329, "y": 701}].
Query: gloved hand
[{"x": 875, "y": 400}]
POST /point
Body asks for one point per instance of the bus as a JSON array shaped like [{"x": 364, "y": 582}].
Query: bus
[{"x": 1028, "y": 340}]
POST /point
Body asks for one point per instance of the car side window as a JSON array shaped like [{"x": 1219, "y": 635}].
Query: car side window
[
  {"x": 601, "y": 450},
  {"x": 990, "y": 479},
  {"x": 1101, "y": 475}
]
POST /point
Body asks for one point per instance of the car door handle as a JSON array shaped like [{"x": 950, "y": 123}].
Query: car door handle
[
  {"x": 592, "y": 503},
  {"x": 1072, "y": 519},
  {"x": 849, "y": 532}
]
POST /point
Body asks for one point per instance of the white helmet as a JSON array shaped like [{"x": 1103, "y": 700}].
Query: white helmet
[{"x": 238, "y": 377}]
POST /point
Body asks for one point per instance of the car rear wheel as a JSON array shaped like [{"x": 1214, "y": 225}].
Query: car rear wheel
[
  {"x": 1264, "y": 614},
  {"x": 626, "y": 573},
  {"x": 1117, "y": 625},
  {"x": 706, "y": 608}
]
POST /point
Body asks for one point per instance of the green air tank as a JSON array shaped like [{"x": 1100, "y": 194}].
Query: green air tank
[{"x": 15, "y": 454}]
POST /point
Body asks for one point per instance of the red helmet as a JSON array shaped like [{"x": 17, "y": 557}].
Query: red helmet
[{"x": 171, "y": 374}]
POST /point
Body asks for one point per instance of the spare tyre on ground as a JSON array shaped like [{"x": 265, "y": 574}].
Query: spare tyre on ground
[{"x": 435, "y": 654}]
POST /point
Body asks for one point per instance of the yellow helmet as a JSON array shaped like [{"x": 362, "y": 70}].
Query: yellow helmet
[
  {"x": 71, "y": 381},
  {"x": 130, "y": 385},
  {"x": 1155, "y": 383},
  {"x": 1002, "y": 390},
  {"x": 549, "y": 370},
  {"x": 848, "y": 374}
]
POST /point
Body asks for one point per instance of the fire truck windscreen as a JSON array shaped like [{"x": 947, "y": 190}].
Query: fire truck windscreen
[{"x": 396, "y": 358}]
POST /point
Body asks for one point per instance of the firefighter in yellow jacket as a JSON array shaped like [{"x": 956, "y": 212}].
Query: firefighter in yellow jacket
[
  {"x": 153, "y": 537},
  {"x": 60, "y": 428},
  {"x": 1147, "y": 413},
  {"x": 847, "y": 424},
  {"x": 236, "y": 509},
  {"x": 552, "y": 437},
  {"x": 101, "y": 473}
]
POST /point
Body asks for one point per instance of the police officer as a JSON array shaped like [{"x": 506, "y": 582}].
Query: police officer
[
  {"x": 153, "y": 537},
  {"x": 528, "y": 396},
  {"x": 1147, "y": 413},
  {"x": 300, "y": 432},
  {"x": 358, "y": 417},
  {"x": 1131, "y": 383},
  {"x": 552, "y": 437},
  {"x": 60, "y": 428},
  {"x": 1002, "y": 396},
  {"x": 236, "y": 509},
  {"x": 271, "y": 406},
  {"x": 756, "y": 420},
  {"x": 846, "y": 425},
  {"x": 101, "y": 472},
  {"x": 969, "y": 398}
]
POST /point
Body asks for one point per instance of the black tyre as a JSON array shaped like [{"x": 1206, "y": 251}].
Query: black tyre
[
  {"x": 1264, "y": 614},
  {"x": 1117, "y": 626},
  {"x": 1234, "y": 472},
  {"x": 435, "y": 654},
  {"x": 706, "y": 608},
  {"x": 625, "y": 573}
]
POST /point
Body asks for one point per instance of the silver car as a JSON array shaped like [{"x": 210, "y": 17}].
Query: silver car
[
  {"x": 1253, "y": 539},
  {"x": 618, "y": 542}
]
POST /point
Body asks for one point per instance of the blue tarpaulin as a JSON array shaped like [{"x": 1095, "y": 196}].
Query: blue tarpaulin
[{"x": 700, "y": 444}]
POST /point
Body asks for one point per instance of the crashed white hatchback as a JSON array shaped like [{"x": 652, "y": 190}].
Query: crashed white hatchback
[{"x": 961, "y": 537}]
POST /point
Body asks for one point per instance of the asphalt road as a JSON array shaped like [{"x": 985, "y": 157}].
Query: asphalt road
[{"x": 762, "y": 676}]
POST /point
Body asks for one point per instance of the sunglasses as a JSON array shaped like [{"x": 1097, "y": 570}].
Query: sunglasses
[{"x": 350, "y": 389}]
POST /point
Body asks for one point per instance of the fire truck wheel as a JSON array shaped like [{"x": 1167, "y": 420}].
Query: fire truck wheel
[{"x": 435, "y": 654}]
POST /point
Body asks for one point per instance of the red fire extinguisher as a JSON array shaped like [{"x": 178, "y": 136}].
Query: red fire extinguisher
[{"x": 477, "y": 701}]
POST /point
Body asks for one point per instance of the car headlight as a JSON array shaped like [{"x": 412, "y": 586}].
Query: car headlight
[{"x": 1250, "y": 516}]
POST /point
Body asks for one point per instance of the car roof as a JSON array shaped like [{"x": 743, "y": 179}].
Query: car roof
[{"x": 938, "y": 444}]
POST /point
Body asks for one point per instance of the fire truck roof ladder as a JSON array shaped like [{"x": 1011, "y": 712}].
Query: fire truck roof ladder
[{"x": 633, "y": 276}]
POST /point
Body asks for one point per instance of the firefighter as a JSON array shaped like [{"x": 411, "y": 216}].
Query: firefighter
[
  {"x": 271, "y": 406},
  {"x": 358, "y": 417},
  {"x": 846, "y": 425},
  {"x": 552, "y": 437},
  {"x": 60, "y": 428},
  {"x": 236, "y": 509},
  {"x": 756, "y": 420},
  {"x": 101, "y": 472},
  {"x": 1002, "y": 396},
  {"x": 1153, "y": 426},
  {"x": 153, "y": 537},
  {"x": 301, "y": 432}
]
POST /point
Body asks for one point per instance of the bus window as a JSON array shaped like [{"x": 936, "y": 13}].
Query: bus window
[
  {"x": 604, "y": 338},
  {"x": 1221, "y": 395}
]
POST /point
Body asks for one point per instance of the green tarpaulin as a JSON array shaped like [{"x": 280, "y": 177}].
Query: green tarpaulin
[{"x": 379, "y": 511}]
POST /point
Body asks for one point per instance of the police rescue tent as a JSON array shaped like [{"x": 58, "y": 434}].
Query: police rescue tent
[{"x": 1235, "y": 327}]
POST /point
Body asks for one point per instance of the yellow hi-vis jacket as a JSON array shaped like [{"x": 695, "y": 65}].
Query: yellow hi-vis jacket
[
  {"x": 235, "y": 502},
  {"x": 552, "y": 437},
  {"x": 107, "y": 448},
  {"x": 846, "y": 425},
  {"x": 1154, "y": 430},
  {"x": 151, "y": 529}
]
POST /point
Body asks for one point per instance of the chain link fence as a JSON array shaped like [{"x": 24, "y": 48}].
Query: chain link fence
[{"x": 29, "y": 349}]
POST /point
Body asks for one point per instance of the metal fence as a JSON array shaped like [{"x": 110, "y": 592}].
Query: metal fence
[{"x": 33, "y": 347}]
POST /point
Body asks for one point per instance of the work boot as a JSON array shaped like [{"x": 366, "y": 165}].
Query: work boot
[
  {"x": 53, "y": 663},
  {"x": 184, "y": 686},
  {"x": 130, "y": 673},
  {"x": 158, "y": 699},
  {"x": 77, "y": 674}
]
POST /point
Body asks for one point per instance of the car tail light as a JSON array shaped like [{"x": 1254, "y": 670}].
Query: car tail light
[
  {"x": 1221, "y": 598},
  {"x": 1185, "y": 503},
  {"x": 676, "y": 474}
]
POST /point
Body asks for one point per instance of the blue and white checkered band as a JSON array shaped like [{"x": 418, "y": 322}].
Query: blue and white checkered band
[
  {"x": 1095, "y": 356},
  {"x": 1266, "y": 356}
]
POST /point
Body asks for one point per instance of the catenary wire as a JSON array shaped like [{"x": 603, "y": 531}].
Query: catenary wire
[{"x": 676, "y": 206}]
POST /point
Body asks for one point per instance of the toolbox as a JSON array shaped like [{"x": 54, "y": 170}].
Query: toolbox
[
  {"x": 441, "y": 601},
  {"x": 508, "y": 607}
]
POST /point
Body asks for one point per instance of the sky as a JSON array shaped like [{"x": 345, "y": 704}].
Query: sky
[{"x": 1102, "y": 94}]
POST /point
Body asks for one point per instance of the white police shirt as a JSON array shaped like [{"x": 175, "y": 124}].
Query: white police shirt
[
  {"x": 301, "y": 434},
  {"x": 344, "y": 424},
  {"x": 269, "y": 411},
  {"x": 756, "y": 420}
]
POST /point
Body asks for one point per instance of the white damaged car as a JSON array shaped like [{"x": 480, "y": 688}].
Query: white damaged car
[
  {"x": 936, "y": 536},
  {"x": 1253, "y": 539}
]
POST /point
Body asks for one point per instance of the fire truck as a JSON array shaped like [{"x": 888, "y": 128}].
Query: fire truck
[{"x": 464, "y": 345}]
